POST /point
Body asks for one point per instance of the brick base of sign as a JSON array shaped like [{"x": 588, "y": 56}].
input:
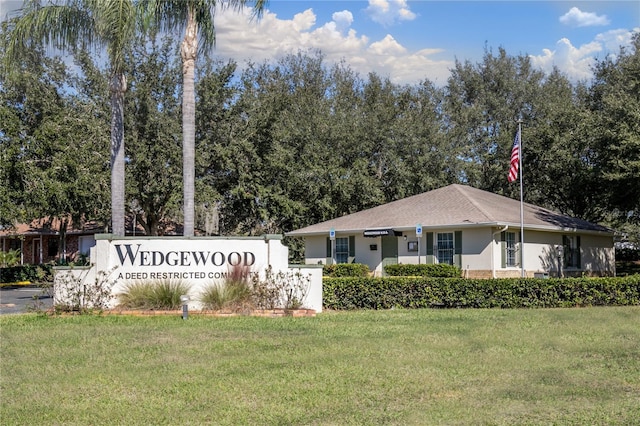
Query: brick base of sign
[{"x": 270, "y": 313}]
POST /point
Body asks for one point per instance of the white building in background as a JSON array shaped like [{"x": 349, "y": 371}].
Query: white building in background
[{"x": 460, "y": 225}]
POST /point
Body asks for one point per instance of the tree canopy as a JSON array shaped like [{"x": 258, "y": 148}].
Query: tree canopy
[{"x": 290, "y": 142}]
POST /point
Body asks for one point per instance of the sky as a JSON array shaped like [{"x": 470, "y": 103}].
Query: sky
[{"x": 413, "y": 41}]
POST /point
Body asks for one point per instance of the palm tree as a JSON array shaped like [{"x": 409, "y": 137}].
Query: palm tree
[
  {"x": 95, "y": 24},
  {"x": 195, "y": 17}
]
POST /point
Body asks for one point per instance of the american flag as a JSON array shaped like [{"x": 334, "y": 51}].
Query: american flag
[{"x": 515, "y": 159}]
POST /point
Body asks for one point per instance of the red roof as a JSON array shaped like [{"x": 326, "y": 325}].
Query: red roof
[{"x": 51, "y": 226}]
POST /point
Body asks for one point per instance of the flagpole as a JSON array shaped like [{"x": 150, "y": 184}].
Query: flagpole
[{"x": 521, "y": 202}]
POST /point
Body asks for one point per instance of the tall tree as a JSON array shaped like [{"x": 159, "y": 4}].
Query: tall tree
[
  {"x": 153, "y": 129},
  {"x": 615, "y": 110},
  {"x": 556, "y": 139},
  {"x": 196, "y": 18},
  {"x": 54, "y": 145},
  {"x": 482, "y": 105},
  {"x": 96, "y": 24}
]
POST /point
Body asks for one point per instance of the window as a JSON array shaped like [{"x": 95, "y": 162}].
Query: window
[
  {"x": 445, "y": 248},
  {"x": 52, "y": 247},
  {"x": 511, "y": 249},
  {"x": 15, "y": 244},
  {"x": 342, "y": 250},
  {"x": 571, "y": 251},
  {"x": 345, "y": 249}
]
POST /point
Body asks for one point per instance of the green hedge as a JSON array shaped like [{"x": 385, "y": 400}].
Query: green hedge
[
  {"x": 31, "y": 273},
  {"x": 431, "y": 270},
  {"x": 416, "y": 292},
  {"x": 345, "y": 270}
]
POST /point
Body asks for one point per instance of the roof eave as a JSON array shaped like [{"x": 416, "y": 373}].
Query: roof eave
[{"x": 529, "y": 227}]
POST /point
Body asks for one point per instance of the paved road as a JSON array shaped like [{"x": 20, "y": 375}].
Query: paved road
[{"x": 16, "y": 300}]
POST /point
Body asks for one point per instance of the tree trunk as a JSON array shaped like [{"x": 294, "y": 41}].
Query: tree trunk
[
  {"x": 188, "y": 53},
  {"x": 117, "y": 86},
  {"x": 62, "y": 244}
]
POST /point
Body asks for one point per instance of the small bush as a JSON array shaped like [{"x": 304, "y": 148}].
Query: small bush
[
  {"x": 9, "y": 258},
  {"x": 81, "y": 295},
  {"x": 31, "y": 273},
  {"x": 280, "y": 289},
  {"x": 442, "y": 270},
  {"x": 226, "y": 296},
  {"x": 161, "y": 294},
  {"x": 136, "y": 295},
  {"x": 233, "y": 294},
  {"x": 345, "y": 270}
]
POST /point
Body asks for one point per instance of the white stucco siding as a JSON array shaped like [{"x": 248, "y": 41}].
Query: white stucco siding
[
  {"x": 540, "y": 254},
  {"x": 315, "y": 250},
  {"x": 476, "y": 249},
  {"x": 482, "y": 252},
  {"x": 598, "y": 254},
  {"x": 364, "y": 254},
  {"x": 411, "y": 257}
]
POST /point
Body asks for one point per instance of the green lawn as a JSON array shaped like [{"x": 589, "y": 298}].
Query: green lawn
[{"x": 425, "y": 367}]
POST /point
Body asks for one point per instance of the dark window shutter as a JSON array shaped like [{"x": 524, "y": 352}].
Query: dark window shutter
[
  {"x": 578, "y": 254},
  {"x": 352, "y": 246},
  {"x": 518, "y": 250},
  {"x": 457, "y": 242},
  {"x": 457, "y": 249},
  {"x": 503, "y": 249},
  {"x": 328, "y": 247},
  {"x": 430, "y": 257}
]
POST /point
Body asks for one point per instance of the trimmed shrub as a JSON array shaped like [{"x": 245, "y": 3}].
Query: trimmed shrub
[
  {"x": 345, "y": 270},
  {"x": 418, "y": 292},
  {"x": 431, "y": 270},
  {"x": 31, "y": 273}
]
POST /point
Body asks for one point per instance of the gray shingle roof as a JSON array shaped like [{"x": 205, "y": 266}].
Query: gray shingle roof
[{"x": 450, "y": 206}]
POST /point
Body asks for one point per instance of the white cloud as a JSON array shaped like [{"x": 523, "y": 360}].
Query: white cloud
[
  {"x": 387, "y": 12},
  {"x": 343, "y": 20},
  {"x": 387, "y": 46},
  {"x": 271, "y": 38},
  {"x": 577, "y": 18},
  {"x": 612, "y": 40},
  {"x": 577, "y": 62}
]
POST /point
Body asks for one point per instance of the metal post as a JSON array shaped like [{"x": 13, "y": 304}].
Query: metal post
[{"x": 185, "y": 306}]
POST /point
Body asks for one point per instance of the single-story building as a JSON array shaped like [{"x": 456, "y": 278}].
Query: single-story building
[
  {"x": 460, "y": 225},
  {"x": 40, "y": 242}
]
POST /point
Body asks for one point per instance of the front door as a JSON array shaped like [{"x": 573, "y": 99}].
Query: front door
[
  {"x": 389, "y": 251},
  {"x": 37, "y": 250}
]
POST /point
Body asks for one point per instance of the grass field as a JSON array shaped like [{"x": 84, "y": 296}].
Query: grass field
[{"x": 402, "y": 367}]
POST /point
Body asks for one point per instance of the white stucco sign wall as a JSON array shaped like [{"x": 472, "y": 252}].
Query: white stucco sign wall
[{"x": 199, "y": 261}]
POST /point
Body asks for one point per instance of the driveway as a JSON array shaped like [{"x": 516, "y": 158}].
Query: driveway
[{"x": 21, "y": 299}]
